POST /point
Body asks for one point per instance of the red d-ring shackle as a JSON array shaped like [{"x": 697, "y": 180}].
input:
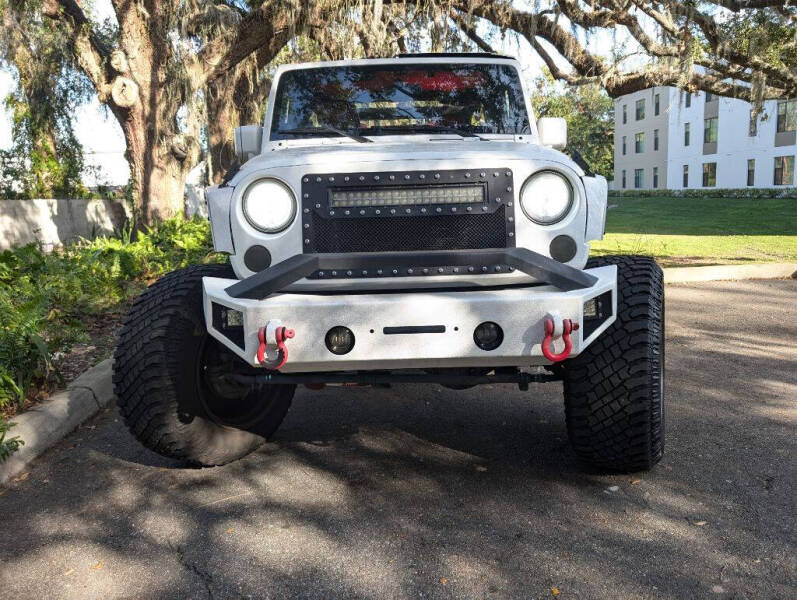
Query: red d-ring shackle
[
  {"x": 568, "y": 327},
  {"x": 281, "y": 334}
]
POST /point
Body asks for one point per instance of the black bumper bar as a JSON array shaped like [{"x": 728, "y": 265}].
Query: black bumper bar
[{"x": 278, "y": 277}]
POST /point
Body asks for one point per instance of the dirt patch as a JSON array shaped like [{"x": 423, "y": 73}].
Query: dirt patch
[
  {"x": 102, "y": 340},
  {"x": 101, "y": 330}
]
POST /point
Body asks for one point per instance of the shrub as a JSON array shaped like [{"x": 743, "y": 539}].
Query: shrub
[
  {"x": 8, "y": 445},
  {"x": 46, "y": 299}
]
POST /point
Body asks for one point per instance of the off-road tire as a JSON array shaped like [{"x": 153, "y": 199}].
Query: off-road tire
[
  {"x": 614, "y": 389},
  {"x": 159, "y": 383}
]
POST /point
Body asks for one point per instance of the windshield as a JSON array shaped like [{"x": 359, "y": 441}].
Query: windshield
[{"x": 399, "y": 99}]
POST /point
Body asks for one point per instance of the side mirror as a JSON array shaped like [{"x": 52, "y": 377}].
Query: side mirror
[
  {"x": 248, "y": 141},
  {"x": 552, "y": 132}
]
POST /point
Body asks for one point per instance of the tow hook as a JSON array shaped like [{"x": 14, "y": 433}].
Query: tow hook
[
  {"x": 279, "y": 334},
  {"x": 555, "y": 325}
]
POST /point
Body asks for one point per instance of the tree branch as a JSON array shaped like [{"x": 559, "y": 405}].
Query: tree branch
[
  {"x": 469, "y": 30},
  {"x": 91, "y": 54},
  {"x": 725, "y": 71},
  {"x": 267, "y": 28}
]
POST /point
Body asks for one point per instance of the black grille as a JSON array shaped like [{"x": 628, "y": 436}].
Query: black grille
[
  {"x": 485, "y": 222},
  {"x": 444, "y": 232}
]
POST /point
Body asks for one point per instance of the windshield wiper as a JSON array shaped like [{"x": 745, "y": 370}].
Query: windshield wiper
[
  {"x": 327, "y": 129},
  {"x": 432, "y": 129}
]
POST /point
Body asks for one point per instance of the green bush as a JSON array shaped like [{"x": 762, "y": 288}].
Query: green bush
[
  {"x": 46, "y": 298},
  {"x": 8, "y": 445}
]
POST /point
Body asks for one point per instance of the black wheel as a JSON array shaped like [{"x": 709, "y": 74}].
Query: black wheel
[
  {"x": 614, "y": 390},
  {"x": 167, "y": 378}
]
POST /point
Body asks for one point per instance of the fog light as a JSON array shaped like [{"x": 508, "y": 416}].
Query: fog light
[
  {"x": 340, "y": 340},
  {"x": 488, "y": 335}
]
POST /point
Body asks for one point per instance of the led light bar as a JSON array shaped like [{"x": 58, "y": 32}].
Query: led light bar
[{"x": 403, "y": 196}]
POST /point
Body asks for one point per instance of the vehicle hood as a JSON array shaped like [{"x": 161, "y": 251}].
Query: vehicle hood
[{"x": 445, "y": 154}]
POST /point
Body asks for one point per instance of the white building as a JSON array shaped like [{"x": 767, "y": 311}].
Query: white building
[{"x": 665, "y": 138}]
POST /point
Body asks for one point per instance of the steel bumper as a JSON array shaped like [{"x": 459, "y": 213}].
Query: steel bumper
[{"x": 406, "y": 330}]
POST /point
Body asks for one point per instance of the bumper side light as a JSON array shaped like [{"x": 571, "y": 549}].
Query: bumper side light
[{"x": 596, "y": 311}]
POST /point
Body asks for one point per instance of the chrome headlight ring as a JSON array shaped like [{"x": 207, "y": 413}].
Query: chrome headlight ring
[
  {"x": 547, "y": 197},
  {"x": 269, "y": 205}
]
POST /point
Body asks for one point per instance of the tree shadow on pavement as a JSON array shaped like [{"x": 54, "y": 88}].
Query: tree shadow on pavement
[{"x": 422, "y": 491}]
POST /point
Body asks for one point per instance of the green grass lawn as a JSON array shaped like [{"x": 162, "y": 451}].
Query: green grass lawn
[{"x": 694, "y": 231}]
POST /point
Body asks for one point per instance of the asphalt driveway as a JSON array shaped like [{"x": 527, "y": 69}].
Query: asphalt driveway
[{"x": 425, "y": 492}]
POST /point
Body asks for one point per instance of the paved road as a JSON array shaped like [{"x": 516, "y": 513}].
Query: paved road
[{"x": 430, "y": 493}]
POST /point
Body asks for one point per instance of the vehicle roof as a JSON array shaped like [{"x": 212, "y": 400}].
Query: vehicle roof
[{"x": 422, "y": 58}]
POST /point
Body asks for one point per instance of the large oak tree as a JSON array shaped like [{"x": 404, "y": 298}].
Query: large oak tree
[
  {"x": 164, "y": 64},
  {"x": 174, "y": 67}
]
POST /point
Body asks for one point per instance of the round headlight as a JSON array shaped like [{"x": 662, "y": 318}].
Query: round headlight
[
  {"x": 546, "y": 197},
  {"x": 269, "y": 205}
]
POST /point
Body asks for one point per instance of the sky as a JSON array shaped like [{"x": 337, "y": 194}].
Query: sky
[{"x": 103, "y": 142}]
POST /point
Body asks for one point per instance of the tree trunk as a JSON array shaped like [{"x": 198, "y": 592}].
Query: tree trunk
[
  {"x": 223, "y": 118},
  {"x": 234, "y": 99},
  {"x": 146, "y": 98},
  {"x": 157, "y": 172},
  {"x": 41, "y": 129}
]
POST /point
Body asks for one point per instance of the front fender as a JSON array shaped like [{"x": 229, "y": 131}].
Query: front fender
[
  {"x": 219, "y": 199},
  {"x": 597, "y": 197}
]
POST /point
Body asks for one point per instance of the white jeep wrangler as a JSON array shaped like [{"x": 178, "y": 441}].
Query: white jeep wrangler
[{"x": 399, "y": 220}]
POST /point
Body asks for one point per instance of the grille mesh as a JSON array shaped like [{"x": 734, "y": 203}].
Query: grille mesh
[{"x": 441, "y": 232}]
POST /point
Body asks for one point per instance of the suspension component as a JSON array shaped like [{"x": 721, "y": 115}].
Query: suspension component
[
  {"x": 567, "y": 328},
  {"x": 281, "y": 334}
]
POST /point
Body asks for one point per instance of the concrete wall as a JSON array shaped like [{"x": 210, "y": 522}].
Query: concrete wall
[{"x": 55, "y": 221}]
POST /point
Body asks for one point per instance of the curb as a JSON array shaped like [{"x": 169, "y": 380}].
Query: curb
[
  {"x": 728, "y": 272},
  {"x": 45, "y": 424}
]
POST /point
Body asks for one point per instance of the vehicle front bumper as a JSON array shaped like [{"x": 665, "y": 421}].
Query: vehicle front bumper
[{"x": 520, "y": 311}]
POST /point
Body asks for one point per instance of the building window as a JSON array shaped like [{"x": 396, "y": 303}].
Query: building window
[
  {"x": 625, "y": 114},
  {"x": 709, "y": 97},
  {"x": 639, "y": 178},
  {"x": 640, "y": 109},
  {"x": 623, "y": 178},
  {"x": 709, "y": 174},
  {"x": 656, "y": 106},
  {"x": 710, "y": 130},
  {"x": 639, "y": 143},
  {"x": 787, "y": 115},
  {"x": 784, "y": 170},
  {"x": 686, "y": 176},
  {"x": 688, "y": 99},
  {"x": 750, "y": 171},
  {"x": 752, "y": 129},
  {"x": 655, "y": 139},
  {"x": 623, "y": 145},
  {"x": 655, "y": 177},
  {"x": 686, "y": 134}
]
